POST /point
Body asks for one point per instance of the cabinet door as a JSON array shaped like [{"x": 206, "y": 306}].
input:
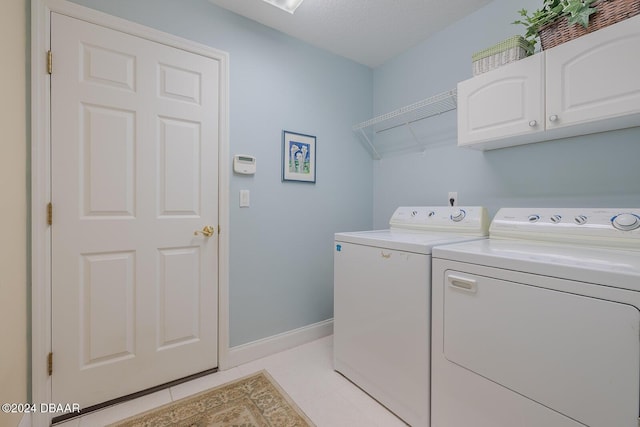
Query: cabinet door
[
  {"x": 595, "y": 78},
  {"x": 505, "y": 102}
]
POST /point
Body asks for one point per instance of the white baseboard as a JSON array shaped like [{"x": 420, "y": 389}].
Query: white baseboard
[{"x": 245, "y": 353}]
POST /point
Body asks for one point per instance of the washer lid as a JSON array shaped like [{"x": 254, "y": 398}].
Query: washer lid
[
  {"x": 609, "y": 267},
  {"x": 403, "y": 240}
]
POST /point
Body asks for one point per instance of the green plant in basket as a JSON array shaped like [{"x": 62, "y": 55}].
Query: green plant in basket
[{"x": 576, "y": 11}]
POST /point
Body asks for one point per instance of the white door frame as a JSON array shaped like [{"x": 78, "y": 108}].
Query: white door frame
[{"x": 41, "y": 180}]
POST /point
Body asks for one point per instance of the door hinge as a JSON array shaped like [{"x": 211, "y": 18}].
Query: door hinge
[
  {"x": 49, "y": 62},
  {"x": 49, "y": 214},
  {"x": 50, "y": 364},
  {"x": 218, "y": 229}
]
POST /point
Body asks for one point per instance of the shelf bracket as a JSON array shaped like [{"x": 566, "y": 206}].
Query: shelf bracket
[
  {"x": 413, "y": 134},
  {"x": 373, "y": 148}
]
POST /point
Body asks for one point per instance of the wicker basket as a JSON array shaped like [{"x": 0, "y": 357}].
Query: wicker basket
[
  {"x": 509, "y": 50},
  {"x": 608, "y": 12}
]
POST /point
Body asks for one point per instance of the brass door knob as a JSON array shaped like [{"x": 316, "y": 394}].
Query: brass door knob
[{"x": 207, "y": 231}]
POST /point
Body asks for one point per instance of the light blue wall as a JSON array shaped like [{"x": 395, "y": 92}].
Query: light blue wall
[
  {"x": 591, "y": 171},
  {"x": 281, "y": 265},
  {"x": 281, "y": 258}
]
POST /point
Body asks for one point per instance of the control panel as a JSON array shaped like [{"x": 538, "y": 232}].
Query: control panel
[
  {"x": 464, "y": 219},
  {"x": 244, "y": 164},
  {"x": 608, "y": 227}
]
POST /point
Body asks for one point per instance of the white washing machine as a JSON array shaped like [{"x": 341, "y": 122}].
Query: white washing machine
[
  {"x": 382, "y": 291},
  {"x": 539, "y": 325}
]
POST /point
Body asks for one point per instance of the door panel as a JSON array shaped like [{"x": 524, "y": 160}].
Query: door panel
[
  {"x": 179, "y": 168},
  {"x": 107, "y": 161},
  {"x": 178, "y": 308},
  {"x": 106, "y": 306},
  {"x": 134, "y": 151}
]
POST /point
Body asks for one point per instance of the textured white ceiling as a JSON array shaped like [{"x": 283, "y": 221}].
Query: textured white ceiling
[{"x": 367, "y": 31}]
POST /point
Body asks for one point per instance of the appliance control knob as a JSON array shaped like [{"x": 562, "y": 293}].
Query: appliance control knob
[
  {"x": 580, "y": 219},
  {"x": 556, "y": 218},
  {"x": 414, "y": 213},
  {"x": 458, "y": 215},
  {"x": 431, "y": 213},
  {"x": 534, "y": 218},
  {"x": 626, "y": 221}
]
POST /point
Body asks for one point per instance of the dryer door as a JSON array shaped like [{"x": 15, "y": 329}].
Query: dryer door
[{"x": 574, "y": 354}]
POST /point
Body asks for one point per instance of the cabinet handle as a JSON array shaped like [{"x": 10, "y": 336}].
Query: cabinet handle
[
  {"x": 462, "y": 283},
  {"x": 553, "y": 118},
  {"x": 533, "y": 123}
]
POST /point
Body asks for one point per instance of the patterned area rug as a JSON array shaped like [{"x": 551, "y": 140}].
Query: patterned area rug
[{"x": 253, "y": 401}]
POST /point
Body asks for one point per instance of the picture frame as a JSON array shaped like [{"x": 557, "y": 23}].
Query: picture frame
[{"x": 298, "y": 157}]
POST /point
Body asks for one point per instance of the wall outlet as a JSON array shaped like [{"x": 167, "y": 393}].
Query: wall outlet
[{"x": 453, "y": 198}]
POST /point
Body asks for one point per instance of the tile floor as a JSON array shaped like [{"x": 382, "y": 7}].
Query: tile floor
[{"x": 306, "y": 374}]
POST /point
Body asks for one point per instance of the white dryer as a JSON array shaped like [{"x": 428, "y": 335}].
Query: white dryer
[
  {"x": 539, "y": 325},
  {"x": 382, "y": 291}
]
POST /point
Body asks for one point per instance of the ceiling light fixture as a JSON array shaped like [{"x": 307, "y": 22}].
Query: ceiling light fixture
[{"x": 286, "y": 5}]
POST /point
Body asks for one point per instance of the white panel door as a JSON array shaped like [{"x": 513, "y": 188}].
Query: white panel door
[{"x": 134, "y": 151}]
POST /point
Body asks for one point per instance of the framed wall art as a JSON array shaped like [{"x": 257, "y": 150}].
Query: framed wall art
[{"x": 298, "y": 157}]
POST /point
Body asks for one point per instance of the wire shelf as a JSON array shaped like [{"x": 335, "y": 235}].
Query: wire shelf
[{"x": 407, "y": 115}]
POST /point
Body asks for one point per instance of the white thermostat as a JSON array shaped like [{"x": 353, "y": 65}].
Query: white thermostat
[{"x": 244, "y": 164}]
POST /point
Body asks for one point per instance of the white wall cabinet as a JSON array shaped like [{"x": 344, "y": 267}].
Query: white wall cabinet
[
  {"x": 584, "y": 86},
  {"x": 595, "y": 77},
  {"x": 508, "y": 101}
]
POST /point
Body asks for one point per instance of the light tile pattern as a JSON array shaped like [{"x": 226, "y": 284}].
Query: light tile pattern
[{"x": 305, "y": 373}]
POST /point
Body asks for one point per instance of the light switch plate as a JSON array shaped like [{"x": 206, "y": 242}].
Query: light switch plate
[{"x": 244, "y": 199}]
